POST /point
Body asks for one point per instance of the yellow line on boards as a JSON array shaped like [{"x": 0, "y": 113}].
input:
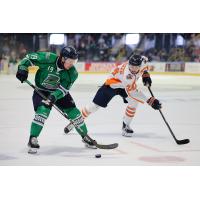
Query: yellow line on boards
[{"x": 155, "y": 73}]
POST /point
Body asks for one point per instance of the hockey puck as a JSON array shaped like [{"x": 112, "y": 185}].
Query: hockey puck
[{"x": 98, "y": 155}]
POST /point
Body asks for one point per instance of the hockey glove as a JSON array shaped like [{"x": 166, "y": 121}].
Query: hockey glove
[
  {"x": 50, "y": 101},
  {"x": 154, "y": 103},
  {"x": 145, "y": 59},
  {"x": 146, "y": 79},
  {"x": 22, "y": 75}
]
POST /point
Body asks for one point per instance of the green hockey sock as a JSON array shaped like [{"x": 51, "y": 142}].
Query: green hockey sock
[
  {"x": 75, "y": 115},
  {"x": 41, "y": 115}
]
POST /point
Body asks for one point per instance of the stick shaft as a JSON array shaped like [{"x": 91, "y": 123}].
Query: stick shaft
[{"x": 164, "y": 118}]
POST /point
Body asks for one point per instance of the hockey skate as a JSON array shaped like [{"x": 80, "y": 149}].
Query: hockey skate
[
  {"x": 33, "y": 145},
  {"x": 127, "y": 131},
  {"x": 88, "y": 143}
]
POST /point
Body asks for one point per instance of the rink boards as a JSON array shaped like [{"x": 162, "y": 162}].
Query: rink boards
[{"x": 152, "y": 143}]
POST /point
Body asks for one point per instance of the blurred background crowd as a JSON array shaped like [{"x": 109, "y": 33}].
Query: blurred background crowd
[{"x": 103, "y": 47}]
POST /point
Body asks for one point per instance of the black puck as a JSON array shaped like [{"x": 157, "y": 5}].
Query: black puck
[{"x": 98, "y": 155}]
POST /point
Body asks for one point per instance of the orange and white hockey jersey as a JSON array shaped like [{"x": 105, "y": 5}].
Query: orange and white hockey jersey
[{"x": 121, "y": 77}]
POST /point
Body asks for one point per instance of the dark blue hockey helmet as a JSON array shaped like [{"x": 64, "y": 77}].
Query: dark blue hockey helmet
[
  {"x": 135, "y": 60},
  {"x": 69, "y": 52}
]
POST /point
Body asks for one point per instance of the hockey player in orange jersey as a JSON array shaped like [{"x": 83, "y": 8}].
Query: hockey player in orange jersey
[{"x": 122, "y": 81}]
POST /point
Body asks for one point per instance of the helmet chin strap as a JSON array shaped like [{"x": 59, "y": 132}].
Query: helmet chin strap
[{"x": 60, "y": 64}]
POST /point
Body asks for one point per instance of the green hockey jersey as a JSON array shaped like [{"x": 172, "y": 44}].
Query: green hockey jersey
[{"x": 49, "y": 77}]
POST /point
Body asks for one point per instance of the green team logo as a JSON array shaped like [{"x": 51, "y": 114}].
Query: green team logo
[{"x": 51, "y": 82}]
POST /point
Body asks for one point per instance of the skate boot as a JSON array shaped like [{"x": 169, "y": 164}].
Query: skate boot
[
  {"x": 127, "y": 131},
  {"x": 33, "y": 145},
  {"x": 88, "y": 143},
  {"x": 68, "y": 128}
]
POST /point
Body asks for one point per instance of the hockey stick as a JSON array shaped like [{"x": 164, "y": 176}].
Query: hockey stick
[
  {"x": 100, "y": 146},
  {"x": 180, "y": 142}
]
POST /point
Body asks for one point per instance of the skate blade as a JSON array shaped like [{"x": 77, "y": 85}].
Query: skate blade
[
  {"x": 127, "y": 134},
  {"x": 32, "y": 150}
]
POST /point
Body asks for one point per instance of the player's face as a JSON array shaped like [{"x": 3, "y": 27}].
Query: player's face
[
  {"x": 68, "y": 63},
  {"x": 134, "y": 69}
]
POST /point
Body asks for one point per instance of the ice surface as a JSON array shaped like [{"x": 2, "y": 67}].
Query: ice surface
[{"x": 152, "y": 143}]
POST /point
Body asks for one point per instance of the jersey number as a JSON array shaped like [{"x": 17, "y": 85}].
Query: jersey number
[{"x": 50, "y": 68}]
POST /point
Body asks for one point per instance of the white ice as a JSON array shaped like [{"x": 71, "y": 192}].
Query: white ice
[{"x": 152, "y": 143}]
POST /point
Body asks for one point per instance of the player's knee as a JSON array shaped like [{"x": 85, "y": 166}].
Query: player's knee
[
  {"x": 92, "y": 107},
  {"x": 87, "y": 110},
  {"x": 72, "y": 113},
  {"x": 43, "y": 111},
  {"x": 132, "y": 103}
]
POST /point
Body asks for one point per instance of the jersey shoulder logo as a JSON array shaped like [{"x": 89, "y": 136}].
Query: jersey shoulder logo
[{"x": 33, "y": 56}]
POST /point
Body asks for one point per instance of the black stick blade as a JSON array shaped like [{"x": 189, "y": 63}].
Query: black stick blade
[
  {"x": 107, "y": 146},
  {"x": 185, "y": 141},
  {"x": 102, "y": 146}
]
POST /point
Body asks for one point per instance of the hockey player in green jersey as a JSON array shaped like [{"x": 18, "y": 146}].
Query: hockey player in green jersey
[{"x": 54, "y": 78}]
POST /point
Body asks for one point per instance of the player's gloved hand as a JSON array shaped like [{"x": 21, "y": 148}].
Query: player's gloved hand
[
  {"x": 154, "y": 103},
  {"x": 22, "y": 75},
  {"x": 146, "y": 79},
  {"x": 50, "y": 101},
  {"x": 145, "y": 59}
]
